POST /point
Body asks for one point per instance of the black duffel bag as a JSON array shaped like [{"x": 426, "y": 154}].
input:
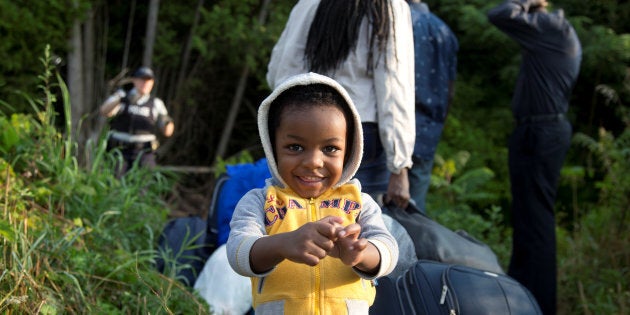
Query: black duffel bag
[
  {"x": 437, "y": 288},
  {"x": 436, "y": 242}
]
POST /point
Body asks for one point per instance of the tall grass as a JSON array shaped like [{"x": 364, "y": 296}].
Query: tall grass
[{"x": 74, "y": 239}]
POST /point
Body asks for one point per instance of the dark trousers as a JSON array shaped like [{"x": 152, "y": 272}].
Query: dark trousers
[
  {"x": 131, "y": 152},
  {"x": 373, "y": 173},
  {"x": 536, "y": 154}
]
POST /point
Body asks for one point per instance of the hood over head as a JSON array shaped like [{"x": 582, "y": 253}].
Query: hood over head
[{"x": 353, "y": 158}]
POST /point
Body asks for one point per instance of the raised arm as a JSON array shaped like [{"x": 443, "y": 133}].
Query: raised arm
[
  {"x": 111, "y": 104},
  {"x": 524, "y": 20}
]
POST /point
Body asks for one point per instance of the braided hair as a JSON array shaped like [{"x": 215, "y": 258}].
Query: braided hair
[{"x": 335, "y": 30}]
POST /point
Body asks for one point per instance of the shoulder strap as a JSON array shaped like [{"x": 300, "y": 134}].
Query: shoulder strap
[
  {"x": 125, "y": 103},
  {"x": 151, "y": 105}
]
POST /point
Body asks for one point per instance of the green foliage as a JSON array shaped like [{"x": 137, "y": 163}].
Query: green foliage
[
  {"x": 484, "y": 150},
  {"x": 461, "y": 198},
  {"x": 26, "y": 29},
  {"x": 242, "y": 157},
  {"x": 607, "y": 12},
  {"x": 78, "y": 240},
  {"x": 605, "y": 53},
  {"x": 235, "y": 26},
  {"x": 11, "y": 131},
  {"x": 594, "y": 258}
]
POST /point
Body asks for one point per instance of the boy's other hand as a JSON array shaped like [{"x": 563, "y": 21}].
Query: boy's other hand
[
  {"x": 348, "y": 247},
  {"x": 312, "y": 241}
]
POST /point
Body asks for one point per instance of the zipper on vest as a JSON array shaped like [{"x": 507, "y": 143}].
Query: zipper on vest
[
  {"x": 261, "y": 284},
  {"x": 317, "y": 269}
]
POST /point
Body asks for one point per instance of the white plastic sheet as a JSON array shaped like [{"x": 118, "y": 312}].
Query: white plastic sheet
[{"x": 227, "y": 292}]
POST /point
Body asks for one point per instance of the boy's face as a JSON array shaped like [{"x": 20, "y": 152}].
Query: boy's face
[{"x": 310, "y": 148}]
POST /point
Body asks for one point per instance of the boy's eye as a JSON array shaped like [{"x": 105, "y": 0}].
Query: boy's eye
[
  {"x": 331, "y": 149},
  {"x": 295, "y": 147}
]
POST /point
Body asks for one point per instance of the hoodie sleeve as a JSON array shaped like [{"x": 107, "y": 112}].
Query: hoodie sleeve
[
  {"x": 247, "y": 226},
  {"x": 374, "y": 229}
]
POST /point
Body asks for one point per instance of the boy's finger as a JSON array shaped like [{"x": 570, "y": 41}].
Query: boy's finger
[
  {"x": 324, "y": 243},
  {"x": 352, "y": 229},
  {"x": 329, "y": 226},
  {"x": 332, "y": 220}
]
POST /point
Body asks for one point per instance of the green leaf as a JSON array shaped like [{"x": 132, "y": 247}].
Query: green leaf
[
  {"x": 6, "y": 230},
  {"x": 9, "y": 136}
]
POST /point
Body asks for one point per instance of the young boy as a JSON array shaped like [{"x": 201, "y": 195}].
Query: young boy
[{"x": 310, "y": 240}]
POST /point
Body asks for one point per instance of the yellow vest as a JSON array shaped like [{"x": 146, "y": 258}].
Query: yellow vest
[{"x": 322, "y": 289}]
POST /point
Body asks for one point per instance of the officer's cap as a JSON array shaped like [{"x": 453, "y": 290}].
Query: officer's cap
[{"x": 143, "y": 73}]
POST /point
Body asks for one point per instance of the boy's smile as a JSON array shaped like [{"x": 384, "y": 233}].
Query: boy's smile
[{"x": 310, "y": 148}]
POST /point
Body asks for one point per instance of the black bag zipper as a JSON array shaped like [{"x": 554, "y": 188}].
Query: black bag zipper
[{"x": 448, "y": 295}]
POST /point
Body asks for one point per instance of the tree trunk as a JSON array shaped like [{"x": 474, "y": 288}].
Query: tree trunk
[
  {"x": 75, "y": 78},
  {"x": 101, "y": 89},
  {"x": 88, "y": 71},
  {"x": 186, "y": 53},
  {"x": 132, "y": 13},
  {"x": 152, "y": 20}
]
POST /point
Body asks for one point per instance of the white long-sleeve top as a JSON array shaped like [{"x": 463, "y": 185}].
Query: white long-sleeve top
[{"x": 385, "y": 97}]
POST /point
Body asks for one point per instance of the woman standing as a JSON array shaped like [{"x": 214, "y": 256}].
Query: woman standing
[{"x": 366, "y": 46}]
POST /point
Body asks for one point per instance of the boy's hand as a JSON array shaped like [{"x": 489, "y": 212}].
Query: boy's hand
[
  {"x": 312, "y": 241},
  {"x": 349, "y": 248}
]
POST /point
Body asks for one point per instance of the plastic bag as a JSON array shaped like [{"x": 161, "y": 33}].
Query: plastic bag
[{"x": 226, "y": 291}]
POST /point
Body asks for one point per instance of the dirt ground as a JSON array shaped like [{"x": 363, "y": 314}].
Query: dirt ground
[{"x": 191, "y": 196}]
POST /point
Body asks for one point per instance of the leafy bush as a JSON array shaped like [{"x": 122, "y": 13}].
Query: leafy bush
[
  {"x": 595, "y": 256},
  {"x": 77, "y": 239}
]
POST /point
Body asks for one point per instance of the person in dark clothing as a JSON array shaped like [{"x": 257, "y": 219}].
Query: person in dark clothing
[
  {"x": 435, "y": 50},
  {"x": 551, "y": 57},
  {"x": 136, "y": 119}
]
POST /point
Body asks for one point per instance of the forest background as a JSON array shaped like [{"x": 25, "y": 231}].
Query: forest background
[{"x": 74, "y": 239}]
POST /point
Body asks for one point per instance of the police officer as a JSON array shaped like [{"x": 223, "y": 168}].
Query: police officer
[{"x": 136, "y": 118}]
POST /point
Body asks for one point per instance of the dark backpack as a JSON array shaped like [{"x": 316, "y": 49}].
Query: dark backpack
[{"x": 183, "y": 248}]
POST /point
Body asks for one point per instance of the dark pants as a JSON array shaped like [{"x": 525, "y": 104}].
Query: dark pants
[
  {"x": 420, "y": 181},
  {"x": 536, "y": 154},
  {"x": 143, "y": 152},
  {"x": 373, "y": 173}
]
